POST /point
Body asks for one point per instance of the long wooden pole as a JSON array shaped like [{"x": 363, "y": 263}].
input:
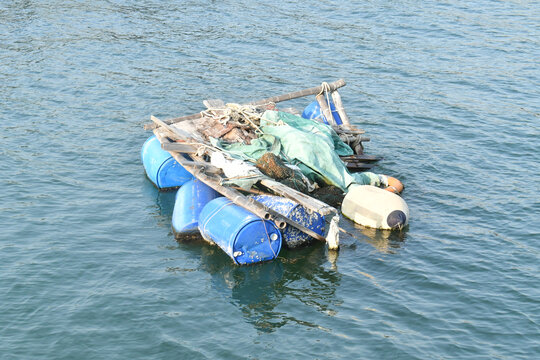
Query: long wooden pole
[
  {"x": 297, "y": 94},
  {"x": 301, "y": 198}
]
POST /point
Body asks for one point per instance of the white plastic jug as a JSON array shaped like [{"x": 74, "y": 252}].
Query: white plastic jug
[{"x": 374, "y": 207}]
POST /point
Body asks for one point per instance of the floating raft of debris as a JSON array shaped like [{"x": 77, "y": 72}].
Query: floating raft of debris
[{"x": 255, "y": 178}]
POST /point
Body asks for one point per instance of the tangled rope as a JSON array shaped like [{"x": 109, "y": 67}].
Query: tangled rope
[{"x": 243, "y": 116}]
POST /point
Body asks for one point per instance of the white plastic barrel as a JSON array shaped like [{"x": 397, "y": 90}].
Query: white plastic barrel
[{"x": 374, "y": 207}]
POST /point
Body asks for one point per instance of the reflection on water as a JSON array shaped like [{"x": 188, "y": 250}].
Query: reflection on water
[
  {"x": 164, "y": 202},
  {"x": 384, "y": 241},
  {"x": 307, "y": 276},
  {"x": 258, "y": 290}
]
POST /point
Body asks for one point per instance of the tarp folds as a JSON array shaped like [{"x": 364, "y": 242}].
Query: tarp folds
[
  {"x": 314, "y": 147},
  {"x": 257, "y": 148}
]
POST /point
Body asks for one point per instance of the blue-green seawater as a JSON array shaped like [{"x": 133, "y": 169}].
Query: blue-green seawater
[{"x": 448, "y": 91}]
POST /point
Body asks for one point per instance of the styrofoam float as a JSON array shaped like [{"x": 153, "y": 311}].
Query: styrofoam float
[{"x": 376, "y": 208}]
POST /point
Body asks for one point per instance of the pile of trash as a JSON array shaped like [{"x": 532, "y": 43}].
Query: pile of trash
[{"x": 302, "y": 153}]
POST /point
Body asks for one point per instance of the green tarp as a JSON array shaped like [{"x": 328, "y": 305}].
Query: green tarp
[{"x": 314, "y": 147}]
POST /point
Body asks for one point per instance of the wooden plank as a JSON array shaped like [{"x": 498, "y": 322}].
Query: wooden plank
[
  {"x": 301, "y": 198},
  {"x": 152, "y": 126},
  {"x": 170, "y": 131},
  {"x": 173, "y": 132},
  {"x": 179, "y": 147},
  {"x": 361, "y": 158}
]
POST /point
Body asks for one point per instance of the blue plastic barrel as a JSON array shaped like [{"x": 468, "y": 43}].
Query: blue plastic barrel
[
  {"x": 160, "y": 166},
  {"x": 292, "y": 237},
  {"x": 190, "y": 200},
  {"x": 313, "y": 111},
  {"x": 245, "y": 237}
]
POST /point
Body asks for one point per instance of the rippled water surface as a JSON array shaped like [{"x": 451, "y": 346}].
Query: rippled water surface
[{"x": 448, "y": 92}]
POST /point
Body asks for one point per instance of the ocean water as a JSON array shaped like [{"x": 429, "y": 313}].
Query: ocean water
[{"x": 447, "y": 91}]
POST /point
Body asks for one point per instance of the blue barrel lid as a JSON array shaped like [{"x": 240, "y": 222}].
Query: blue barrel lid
[{"x": 258, "y": 240}]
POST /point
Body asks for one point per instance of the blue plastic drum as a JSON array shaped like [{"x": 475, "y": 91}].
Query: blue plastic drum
[
  {"x": 313, "y": 111},
  {"x": 245, "y": 237},
  {"x": 190, "y": 200},
  {"x": 160, "y": 166},
  {"x": 292, "y": 237}
]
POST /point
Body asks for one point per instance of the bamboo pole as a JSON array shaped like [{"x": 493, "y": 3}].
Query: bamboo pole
[
  {"x": 303, "y": 199},
  {"x": 297, "y": 94},
  {"x": 325, "y": 109},
  {"x": 340, "y": 109}
]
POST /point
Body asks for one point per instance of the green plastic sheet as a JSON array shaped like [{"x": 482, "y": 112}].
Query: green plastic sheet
[{"x": 314, "y": 147}]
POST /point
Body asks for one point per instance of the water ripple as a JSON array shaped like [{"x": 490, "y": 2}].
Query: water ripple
[{"x": 447, "y": 91}]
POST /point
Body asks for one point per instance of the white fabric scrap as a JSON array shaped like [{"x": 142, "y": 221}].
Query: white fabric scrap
[
  {"x": 383, "y": 179},
  {"x": 238, "y": 172}
]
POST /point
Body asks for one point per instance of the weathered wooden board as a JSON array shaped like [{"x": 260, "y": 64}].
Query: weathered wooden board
[
  {"x": 179, "y": 147},
  {"x": 301, "y": 198},
  {"x": 361, "y": 158}
]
